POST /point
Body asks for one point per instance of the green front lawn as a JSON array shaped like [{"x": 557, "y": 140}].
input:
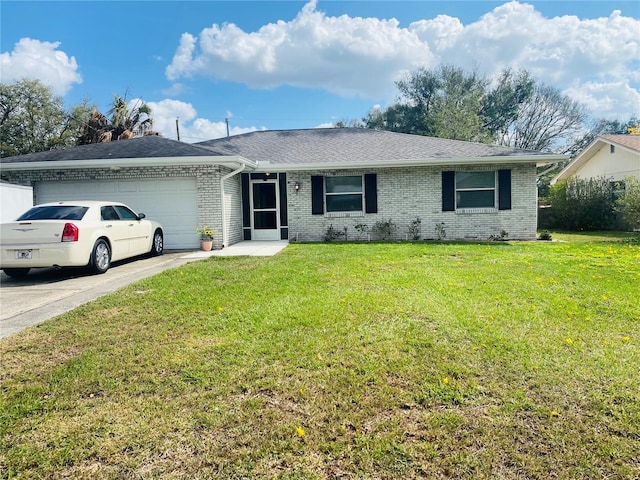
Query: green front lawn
[{"x": 426, "y": 360}]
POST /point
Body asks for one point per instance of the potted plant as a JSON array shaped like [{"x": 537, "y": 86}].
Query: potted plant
[{"x": 206, "y": 237}]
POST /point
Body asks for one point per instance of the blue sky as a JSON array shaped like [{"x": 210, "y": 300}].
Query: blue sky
[{"x": 289, "y": 64}]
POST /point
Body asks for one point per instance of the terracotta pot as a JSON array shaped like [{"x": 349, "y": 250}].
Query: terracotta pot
[{"x": 206, "y": 245}]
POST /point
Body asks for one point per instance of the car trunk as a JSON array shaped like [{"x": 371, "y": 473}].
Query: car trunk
[{"x": 32, "y": 232}]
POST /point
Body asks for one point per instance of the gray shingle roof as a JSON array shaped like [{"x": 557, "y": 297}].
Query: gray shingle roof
[
  {"x": 335, "y": 146},
  {"x": 141, "y": 147},
  {"x": 350, "y": 145}
]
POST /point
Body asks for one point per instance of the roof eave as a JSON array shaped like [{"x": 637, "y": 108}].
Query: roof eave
[
  {"x": 539, "y": 160},
  {"x": 118, "y": 163}
]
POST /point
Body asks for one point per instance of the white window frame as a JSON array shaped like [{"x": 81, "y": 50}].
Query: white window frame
[
  {"x": 344, "y": 213},
  {"x": 484, "y": 209}
]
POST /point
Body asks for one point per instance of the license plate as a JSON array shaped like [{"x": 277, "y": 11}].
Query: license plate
[{"x": 23, "y": 254}]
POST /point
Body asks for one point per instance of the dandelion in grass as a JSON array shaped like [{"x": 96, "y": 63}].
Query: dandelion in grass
[
  {"x": 626, "y": 338},
  {"x": 300, "y": 432},
  {"x": 554, "y": 413},
  {"x": 445, "y": 380},
  {"x": 220, "y": 309},
  {"x": 569, "y": 341}
]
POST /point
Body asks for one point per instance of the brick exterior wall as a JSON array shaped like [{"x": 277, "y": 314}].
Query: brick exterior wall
[
  {"x": 405, "y": 194},
  {"x": 207, "y": 179}
]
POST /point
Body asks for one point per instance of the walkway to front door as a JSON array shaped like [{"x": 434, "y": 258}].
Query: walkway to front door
[{"x": 250, "y": 248}]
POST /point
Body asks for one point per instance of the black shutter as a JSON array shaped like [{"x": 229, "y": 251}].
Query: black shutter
[
  {"x": 246, "y": 206},
  {"x": 504, "y": 189},
  {"x": 448, "y": 191},
  {"x": 370, "y": 193},
  {"x": 317, "y": 194},
  {"x": 284, "y": 217}
]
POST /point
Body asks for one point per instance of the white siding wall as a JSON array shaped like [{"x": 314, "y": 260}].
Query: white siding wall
[{"x": 615, "y": 165}]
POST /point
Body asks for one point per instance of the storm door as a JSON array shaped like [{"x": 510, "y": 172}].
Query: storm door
[{"x": 264, "y": 210}]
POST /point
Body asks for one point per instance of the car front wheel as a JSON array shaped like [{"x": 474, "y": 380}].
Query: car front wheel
[
  {"x": 100, "y": 257},
  {"x": 157, "y": 247}
]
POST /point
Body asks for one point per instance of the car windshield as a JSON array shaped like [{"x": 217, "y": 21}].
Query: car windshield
[{"x": 54, "y": 212}]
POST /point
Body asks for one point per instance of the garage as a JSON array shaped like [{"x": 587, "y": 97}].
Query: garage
[{"x": 171, "y": 201}]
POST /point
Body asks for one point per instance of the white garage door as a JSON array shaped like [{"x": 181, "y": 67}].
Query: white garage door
[{"x": 171, "y": 201}]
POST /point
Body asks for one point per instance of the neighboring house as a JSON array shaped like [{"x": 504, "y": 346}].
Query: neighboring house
[
  {"x": 296, "y": 184},
  {"x": 609, "y": 156}
]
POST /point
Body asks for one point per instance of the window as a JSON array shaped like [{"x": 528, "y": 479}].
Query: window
[
  {"x": 479, "y": 191},
  {"x": 344, "y": 194},
  {"x": 57, "y": 212},
  {"x": 108, "y": 213},
  {"x": 125, "y": 213},
  {"x": 348, "y": 194},
  {"x": 475, "y": 189}
]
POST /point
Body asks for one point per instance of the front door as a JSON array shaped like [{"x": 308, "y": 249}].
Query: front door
[{"x": 264, "y": 210}]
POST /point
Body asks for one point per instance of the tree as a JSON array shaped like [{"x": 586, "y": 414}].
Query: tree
[
  {"x": 32, "y": 119},
  {"x": 513, "y": 110},
  {"x": 443, "y": 102},
  {"x": 123, "y": 122},
  {"x": 502, "y": 103},
  {"x": 546, "y": 118},
  {"x": 457, "y": 106}
]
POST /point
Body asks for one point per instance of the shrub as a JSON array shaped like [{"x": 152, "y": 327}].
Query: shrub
[
  {"x": 545, "y": 235},
  {"x": 629, "y": 203},
  {"x": 384, "y": 229},
  {"x": 362, "y": 229},
  {"x": 584, "y": 204},
  {"x": 333, "y": 234},
  {"x": 415, "y": 229}
]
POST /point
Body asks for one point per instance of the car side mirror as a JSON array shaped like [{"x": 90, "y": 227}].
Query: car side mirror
[{"x": 141, "y": 216}]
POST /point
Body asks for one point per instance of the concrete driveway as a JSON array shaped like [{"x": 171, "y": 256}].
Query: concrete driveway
[{"x": 46, "y": 292}]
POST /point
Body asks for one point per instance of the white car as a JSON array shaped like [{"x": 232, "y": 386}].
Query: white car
[{"x": 71, "y": 234}]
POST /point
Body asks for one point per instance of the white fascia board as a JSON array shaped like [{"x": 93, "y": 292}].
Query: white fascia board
[
  {"x": 539, "y": 160},
  {"x": 228, "y": 161}
]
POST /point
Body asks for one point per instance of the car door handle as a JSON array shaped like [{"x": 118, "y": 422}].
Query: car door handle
[
  {"x": 131, "y": 224},
  {"x": 108, "y": 226}
]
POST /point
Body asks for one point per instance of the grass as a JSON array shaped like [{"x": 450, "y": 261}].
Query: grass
[{"x": 412, "y": 360}]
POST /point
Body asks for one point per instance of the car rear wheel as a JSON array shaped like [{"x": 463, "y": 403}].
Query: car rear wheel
[
  {"x": 16, "y": 272},
  {"x": 100, "y": 257},
  {"x": 157, "y": 247}
]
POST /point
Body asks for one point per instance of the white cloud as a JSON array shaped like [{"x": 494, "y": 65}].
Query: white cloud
[
  {"x": 344, "y": 55},
  {"x": 364, "y": 56},
  {"x": 34, "y": 59},
  {"x": 192, "y": 128},
  {"x": 616, "y": 100}
]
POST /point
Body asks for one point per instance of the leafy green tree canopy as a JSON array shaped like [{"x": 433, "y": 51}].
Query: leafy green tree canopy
[
  {"x": 32, "y": 119},
  {"x": 513, "y": 109}
]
